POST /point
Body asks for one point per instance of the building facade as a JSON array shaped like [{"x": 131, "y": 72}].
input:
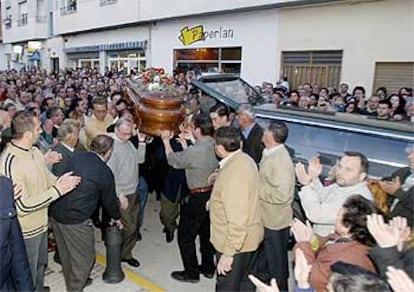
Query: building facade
[{"x": 318, "y": 41}]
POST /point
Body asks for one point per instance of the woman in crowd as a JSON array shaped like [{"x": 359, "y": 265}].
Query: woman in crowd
[{"x": 350, "y": 242}]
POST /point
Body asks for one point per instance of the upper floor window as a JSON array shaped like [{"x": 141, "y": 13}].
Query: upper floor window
[
  {"x": 8, "y": 19},
  {"x": 68, "y": 6},
  {"x": 22, "y": 20},
  {"x": 107, "y": 2}
]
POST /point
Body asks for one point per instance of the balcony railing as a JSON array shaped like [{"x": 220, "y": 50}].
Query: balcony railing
[
  {"x": 107, "y": 2},
  {"x": 22, "y": 21},
  {"x": 7, "y": 22}
]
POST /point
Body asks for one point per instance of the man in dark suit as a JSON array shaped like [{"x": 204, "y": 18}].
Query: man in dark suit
[
  {"x": 400, "y": 187},
  {"x": 15, "y": 272},
  {"x": 70, "y": 217},
  {"x": 252, "y": 133}
]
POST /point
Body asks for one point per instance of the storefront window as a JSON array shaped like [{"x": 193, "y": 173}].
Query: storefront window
[
  {"x": 209, "y": 60},
  {"x": 127, "y": 61},
  {"x": 88, "y": 63}
]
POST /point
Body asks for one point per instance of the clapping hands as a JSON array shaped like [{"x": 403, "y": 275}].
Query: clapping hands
[
  {"x": 395, "y": 233},
  {"x": 301, "y": 231},
  {"x": 67, "y": 182},
  {"x": 304, "y": 176}
]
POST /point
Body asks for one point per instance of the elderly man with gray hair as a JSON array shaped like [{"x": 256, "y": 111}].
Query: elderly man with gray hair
[
  {"x": 68, "y": 136},
  {"x": 124, "y": 165},
  {"x": 252, "y": 133}
]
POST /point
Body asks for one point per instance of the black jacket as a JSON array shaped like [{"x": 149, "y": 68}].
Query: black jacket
[
  {"x": 405, "y": 205},
  {"x": 390, "y": 256},
  {"x": 253, "y": 145},
  {"x": 15, "y": 272},
  {"x": 97, "y": 186}
]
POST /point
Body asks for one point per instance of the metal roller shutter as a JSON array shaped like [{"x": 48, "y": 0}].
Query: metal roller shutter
[{"x": 393, "y": 76}]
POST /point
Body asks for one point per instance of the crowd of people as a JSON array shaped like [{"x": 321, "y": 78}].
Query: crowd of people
[
  {"x": 74, "y": 157},
  {"x": 382, "y": 105}
]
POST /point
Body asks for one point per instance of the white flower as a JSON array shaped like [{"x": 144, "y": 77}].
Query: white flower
[
  {"x": 153, "y": 86},
  {"x": 157, "y": 79}
]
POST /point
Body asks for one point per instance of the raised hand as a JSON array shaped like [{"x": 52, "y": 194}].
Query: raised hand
[
  {"x": 183, "y": 142},
  {"x": 302, "y": 269},
  {"x": 166, "y": 135},
  {"x": 314, "y": 168},
  {"x": 303, "y": 177},
  {"x": 399, "y": 224},
  {"x": 399, "y": 280},
  {"x": 385, "y": 235},
  {"x": 52, "y": 157},
  {"x": 301, "y": 231}
]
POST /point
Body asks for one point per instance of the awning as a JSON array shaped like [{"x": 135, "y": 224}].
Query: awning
[{"x": 137, "y": 45}]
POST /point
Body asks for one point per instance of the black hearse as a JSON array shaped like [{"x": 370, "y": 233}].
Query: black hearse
[{"x": 327, "y": 135}]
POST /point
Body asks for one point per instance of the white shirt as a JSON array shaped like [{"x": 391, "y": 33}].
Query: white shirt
[
  {"x": 227, "y": 158},
  {"x": 322, "y": 204}
]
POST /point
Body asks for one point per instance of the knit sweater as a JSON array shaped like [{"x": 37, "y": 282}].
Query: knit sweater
[
  {"x": 27, "y": 168},
  {"x": 94, "y": 127},
  {"x": 124, "y": 165}
]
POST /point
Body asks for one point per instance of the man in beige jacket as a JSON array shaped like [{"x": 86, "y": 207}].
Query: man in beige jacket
[
  {"x": 236, "y": 227},
  {"x": 277, "y": 183}
]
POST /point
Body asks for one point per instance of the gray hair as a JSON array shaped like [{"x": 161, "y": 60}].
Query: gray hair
[
  {"x": 248, "y": 110},
  {"x": 120, "y": 122},
  {"x": 65, "y": 130}
]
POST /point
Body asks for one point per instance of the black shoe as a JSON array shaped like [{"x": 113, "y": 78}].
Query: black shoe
[
  {"x": 56, "y": 258},
  {"x": 208, "y": 275},
  {"x": 182, "y": 276},
  {"x": 132, "y": 262},
  {"x": 139, "y": 236},
  {"x": 45, "y": 289},
  {"x": 169, "y": 236}
]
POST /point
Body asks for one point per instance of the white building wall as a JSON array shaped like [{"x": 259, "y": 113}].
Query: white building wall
[
  {"x": 255, "y": 32},
  {"x": 91, "y": 15},
  {"x": 36, "y": 28},
  {"x": 366, "y": 32},
  {"x": 137, "y": 33},
  {"x": 156, "y": 9},
  {"x": 54, "y": 49}
]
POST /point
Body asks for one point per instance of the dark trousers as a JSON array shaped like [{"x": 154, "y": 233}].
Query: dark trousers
[
  {"x": 36, "y": 248},
  {"x": 275, "y": 252},
  {"x": 236, "y": 279},
  {"x": 76, "y": 243},
  {"x": 169, "y": 212},
  {"x": 195, "y": 220},
  {"x": 129, "y": 218}
]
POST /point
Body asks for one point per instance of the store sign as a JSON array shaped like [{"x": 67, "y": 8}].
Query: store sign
[{"x": 197, "y": 33}]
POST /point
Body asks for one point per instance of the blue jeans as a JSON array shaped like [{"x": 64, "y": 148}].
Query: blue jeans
[{"x": 143, "y": 197}]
